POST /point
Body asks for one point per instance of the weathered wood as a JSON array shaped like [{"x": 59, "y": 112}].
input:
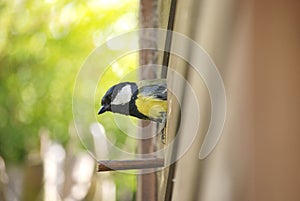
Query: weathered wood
[
  {"x": 147, "y": 183},
  {"x": 146, "y": 163}
]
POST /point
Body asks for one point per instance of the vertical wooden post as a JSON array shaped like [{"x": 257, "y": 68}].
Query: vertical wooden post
[{"x": 147, "y": 183}]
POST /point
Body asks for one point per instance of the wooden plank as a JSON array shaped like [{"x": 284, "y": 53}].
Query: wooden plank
[{"x": 146, "y": 163}]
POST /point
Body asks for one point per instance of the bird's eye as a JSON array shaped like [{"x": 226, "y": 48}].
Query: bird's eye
[{"x": 106, "y": 100}]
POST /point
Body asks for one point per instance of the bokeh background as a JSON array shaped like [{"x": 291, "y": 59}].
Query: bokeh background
[{"x": 43, "y": 45}]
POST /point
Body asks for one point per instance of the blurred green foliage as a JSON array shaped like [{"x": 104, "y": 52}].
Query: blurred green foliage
[{"x": 42, "y": 46}]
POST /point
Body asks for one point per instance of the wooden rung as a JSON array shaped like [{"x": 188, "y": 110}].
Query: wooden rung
[{"x": 145, "y": 163}]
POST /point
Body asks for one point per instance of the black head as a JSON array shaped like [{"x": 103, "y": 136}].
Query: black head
[
  {"x": 118, "y": 97},
  {"x": 106, "y": 101}
]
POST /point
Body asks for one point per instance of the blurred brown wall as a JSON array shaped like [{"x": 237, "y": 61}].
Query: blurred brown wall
[
  {"x": 256, "y": 46},
  {"x": 276, "y": 50}
]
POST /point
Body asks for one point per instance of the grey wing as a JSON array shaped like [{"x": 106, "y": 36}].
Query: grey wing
[{"x": 154, "y": 88}]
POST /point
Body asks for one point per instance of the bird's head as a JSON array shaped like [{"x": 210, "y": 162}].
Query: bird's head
[{"x": 117, "y": 98}]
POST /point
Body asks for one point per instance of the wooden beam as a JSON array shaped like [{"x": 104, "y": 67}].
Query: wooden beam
[{"x": 145, "y": 163}]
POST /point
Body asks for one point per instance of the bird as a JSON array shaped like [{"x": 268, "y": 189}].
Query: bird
[{"x": 146, "y": 99}]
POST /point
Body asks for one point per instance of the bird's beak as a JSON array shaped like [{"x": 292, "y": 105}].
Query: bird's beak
[{"x": 103, "y": 109}]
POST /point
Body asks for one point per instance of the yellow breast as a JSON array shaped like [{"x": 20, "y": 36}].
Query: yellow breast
[{"x": 151, "y": 107}]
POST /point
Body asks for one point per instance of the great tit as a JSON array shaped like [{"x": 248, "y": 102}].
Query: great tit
[{"x": 146, "y": 99}]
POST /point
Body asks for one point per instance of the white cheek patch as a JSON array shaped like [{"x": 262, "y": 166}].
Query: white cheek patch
[{"x": 123, "y": 96}]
